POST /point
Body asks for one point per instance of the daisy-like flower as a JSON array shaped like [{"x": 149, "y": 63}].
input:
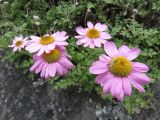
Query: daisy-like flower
[
  {"x": 50, "y": 64},
  {"x": 93, "y": 35},
  {"x": 117, "y": 72},
  {"x": 46, "y": 43},
  {"x": 18, "y": 43}
]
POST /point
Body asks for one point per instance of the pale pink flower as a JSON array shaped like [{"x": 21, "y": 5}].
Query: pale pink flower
[
  {"x": 117, "y": 72},
  {"x": 18, "y": 43},
  {"x": 92, "y": 36},
  {"x": 51, "y": 64},
  {"x": 46, "y": 43}
]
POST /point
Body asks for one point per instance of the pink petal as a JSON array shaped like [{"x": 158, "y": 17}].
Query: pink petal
[
  {"x": 47, "y": 72},
  {"x": 35, "y": 65},
  {"x": 133, "y": 53},
  {"x": 98, "y": 26},
  {"x": 103, "y": 41},
  {"x": 31, "y": 46},
  {"x": 79, "y": 42},
  {"x": 107, "y": 86},
  {"x": 35, "y": 49},
  {"x": 35, "y": 38},
  {"x": 121, "y": 96},
  {"x": 98, "y": 67},
  {"x": 87, "y": 43},
  {"x": 39, "y": 67},
  {"x": 140, "y": 67},
  {"x": 79, "y": 36},
  {"x": 62, "y": 43},
  {"x": 99, "y": 63},
  {"x": 115, "y": 83},
  {"x": 59, "y": 69},
  {"x": 91, "y": 44},
  {"x": 137, "y": 85},
  {"x": 140, "y": 77},
  {"x": 118, "y": 88},
  {"x": 81, "y": 30},
  {"x": 41, "y": 51},
  {"x": 66, "y": 63},
  {"x": 105, "y": 35},
  {"x": 127, "y": 87},
  {"x": 84, "y": 40},
  {"x": 104, "y": 58},
  {"x": 52, "y": 70},
  {"x": 89, "y": 24},
  {"x": 97, "y": 42},
  {"x": 15, "y": 49},
  {"x": 59, "y": 37},
  {"x": 43, "y": 72},
  {"x": 111, "y": 49},
  {"x": 35, "y": 57},
  {"x": 101, "y": 27},
  {"x": 101, "y": 78},
  {"x": 123, "y": 50},
  {"x": 51, "y": 46}
]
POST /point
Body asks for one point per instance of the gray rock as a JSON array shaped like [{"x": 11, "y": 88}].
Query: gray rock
[{"x": 24, "y": 99}]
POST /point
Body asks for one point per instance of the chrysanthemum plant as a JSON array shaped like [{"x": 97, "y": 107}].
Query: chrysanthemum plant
[{"x": 116, "y": 71}]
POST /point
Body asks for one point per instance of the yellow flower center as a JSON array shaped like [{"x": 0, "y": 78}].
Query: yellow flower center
[
  {"x": 120, "y": 66},
  {"x": 45, "y": 40},
  {"x": 53, "y": 56},
  {"x": 93, "y": 33},
  {"x": 19, "y": 43}
]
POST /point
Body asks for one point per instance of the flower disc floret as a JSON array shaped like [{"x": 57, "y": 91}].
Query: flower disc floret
[
  {"x": 45, "y": 40},
  {"x": 53, "y": 56},
  {"x": 120, "y": 66},
  {"x": 93, "y": 33}
]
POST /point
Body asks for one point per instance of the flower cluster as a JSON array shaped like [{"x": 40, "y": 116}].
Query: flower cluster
[
  {"x": 116, "y": 72},
  {"x": 50, "y": 55}
]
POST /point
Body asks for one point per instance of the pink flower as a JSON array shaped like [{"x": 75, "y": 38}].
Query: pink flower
[
  {"x": 93, "y": 35},
  {"x": 117, "y": 72},
  {"x": 18, "y": 43},
  {"x": 51, "y": 64},
  {"x": 46, "y": 43}
]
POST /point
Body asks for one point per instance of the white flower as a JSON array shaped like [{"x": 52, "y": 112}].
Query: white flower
[
  {"x": 19, "y": 43},
  {"x": 37, "y": 23},
  {"x": 36, "y": 17}
]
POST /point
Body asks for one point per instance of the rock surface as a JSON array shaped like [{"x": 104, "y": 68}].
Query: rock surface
[{"x": 22, "y": 99}]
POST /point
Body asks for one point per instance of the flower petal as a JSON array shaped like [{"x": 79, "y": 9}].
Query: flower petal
[
  {"x": 123, "y": 50},
  {"x": 104, "y": 58},
  {"x": 137, "y": 85},
  {"x": 105, "y": 35},
  {"x": 111, "y": 49},
  {"x": 81, "y": 30},
  {"x": 107, "y": 86},
  {"x": 127, "y": 87},
  {"x": 121, "y": 97},
  {"x": 52, "y": 70},
  {"x": 35, "y": 65},
  {"x": 92, "y": 44},
  {"x": 101, "y": 27},
  {"x": 35, "y": 38},
  {"x": 40, "y": 52},
  {"x": 87, "y": 43},
  {"x": 140, "y": 77},
  {"x": 90, "y": 24},
  {"x": 97, "y": 42},
  {"x": 133, "y": 53},
  {"x": 98, "y": 67},
  {"x": 140, "y": 67}
]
